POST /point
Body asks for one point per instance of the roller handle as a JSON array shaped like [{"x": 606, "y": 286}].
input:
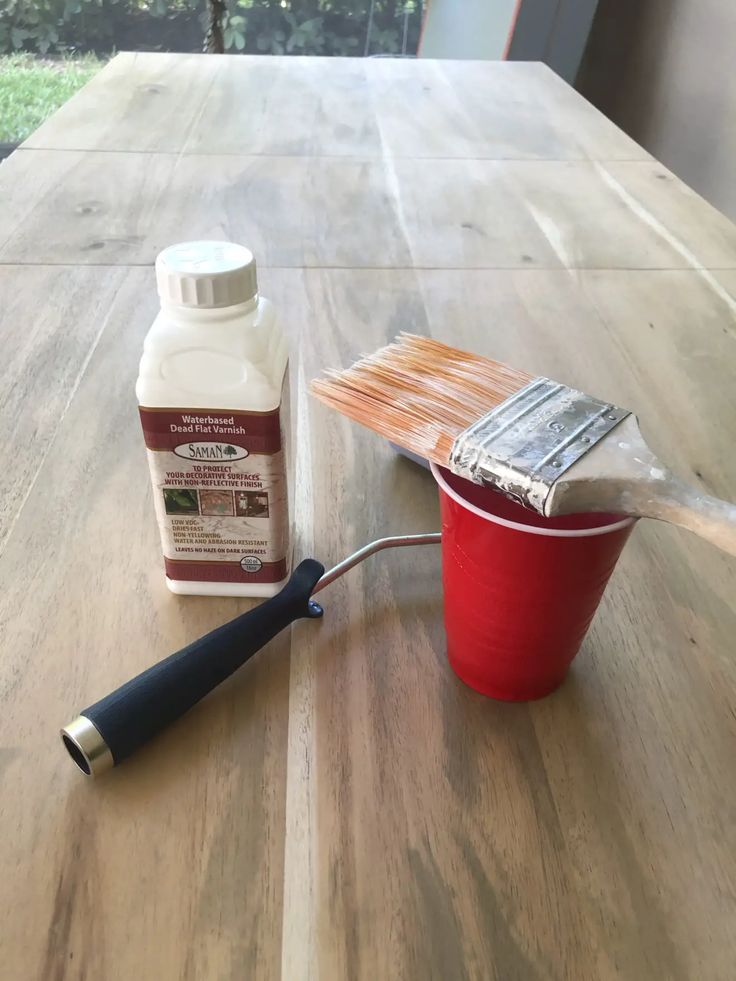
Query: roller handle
[{"x": 139, "y": 709}]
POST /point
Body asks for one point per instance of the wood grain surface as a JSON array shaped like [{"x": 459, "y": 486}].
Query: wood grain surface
[
  {"x": 337, "y": 106},
  {"x": 345, "y": 808},
  {"x": 93, "y": 207}
]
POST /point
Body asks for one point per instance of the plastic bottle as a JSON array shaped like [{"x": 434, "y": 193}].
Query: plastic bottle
[{"x": 211, "y": 389}]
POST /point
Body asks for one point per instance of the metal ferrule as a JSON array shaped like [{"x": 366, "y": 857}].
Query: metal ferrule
[
  {"x": 527, "y": 442},
  {"x": 86, "y": 747}
]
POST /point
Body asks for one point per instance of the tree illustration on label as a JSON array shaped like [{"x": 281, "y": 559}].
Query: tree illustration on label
[{"x": 230, "y": 451}]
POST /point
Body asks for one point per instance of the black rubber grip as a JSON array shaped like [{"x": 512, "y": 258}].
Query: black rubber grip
[{"x": 136, "y": 711}]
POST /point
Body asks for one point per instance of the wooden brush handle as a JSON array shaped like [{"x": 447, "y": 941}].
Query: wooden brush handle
[
  {"x": 681, "y": 504},
  {"x": 622, "y": 475}
]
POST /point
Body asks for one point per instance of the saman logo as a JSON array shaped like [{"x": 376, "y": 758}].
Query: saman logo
[{"x": 202, "y": 452}]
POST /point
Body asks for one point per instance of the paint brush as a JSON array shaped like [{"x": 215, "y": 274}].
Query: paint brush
[{"x": 548, "y": 446}]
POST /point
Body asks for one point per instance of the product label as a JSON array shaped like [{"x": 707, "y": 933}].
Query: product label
[{"x": 219, "y": 489}]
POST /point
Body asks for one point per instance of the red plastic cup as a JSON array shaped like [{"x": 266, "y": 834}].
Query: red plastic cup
[{"x": 520, "y": 590}]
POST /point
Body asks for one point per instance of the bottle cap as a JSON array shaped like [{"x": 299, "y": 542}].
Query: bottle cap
[{"x": 206, "y": 274}]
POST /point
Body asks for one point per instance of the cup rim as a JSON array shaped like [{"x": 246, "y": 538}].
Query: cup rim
[{"x": 528, "y": 529}]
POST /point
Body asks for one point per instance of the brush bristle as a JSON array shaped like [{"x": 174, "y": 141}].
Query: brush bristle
[{"x": 419, "y": 393}]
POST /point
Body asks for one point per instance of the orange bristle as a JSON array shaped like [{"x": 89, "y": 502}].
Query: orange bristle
[{"x": 419, "y": 393}]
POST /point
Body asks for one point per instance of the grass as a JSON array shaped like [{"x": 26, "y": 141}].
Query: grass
[{"x": 31, "y": 89}]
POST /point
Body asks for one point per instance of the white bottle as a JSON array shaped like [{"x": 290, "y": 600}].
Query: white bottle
[{"x": 210, "y": 392}]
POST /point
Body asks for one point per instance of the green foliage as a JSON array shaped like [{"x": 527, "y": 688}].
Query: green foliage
[
  {"x": 300, "y": 27},
  {"x": 234, "y": 31},
  {"x": 329, "y": 27},
  {"x": 271, "y": 40},
  {"x": 344, "y": 47},
  {"x": 306, "y": 36},
  {"x": 385, "y": 41},
  {"x": 59, "y": 26},
  {"x": 30, "y": 22}
]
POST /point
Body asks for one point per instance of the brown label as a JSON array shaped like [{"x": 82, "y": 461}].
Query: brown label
[
  {"x": 193, "y": 571},
  {"x": 167, "y": 429},
  {"x": 220, "y": 493}
]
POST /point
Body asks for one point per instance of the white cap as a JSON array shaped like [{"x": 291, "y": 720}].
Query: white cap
[{"x": 206, "y": 274}]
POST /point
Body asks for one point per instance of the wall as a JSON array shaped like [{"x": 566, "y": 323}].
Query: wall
[
  {"x": 665, "y": 71},
  {"x": 553, "y": 31}
]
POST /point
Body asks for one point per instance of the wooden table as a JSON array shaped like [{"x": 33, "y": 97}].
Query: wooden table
[{"x": 344, "y": 807}]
